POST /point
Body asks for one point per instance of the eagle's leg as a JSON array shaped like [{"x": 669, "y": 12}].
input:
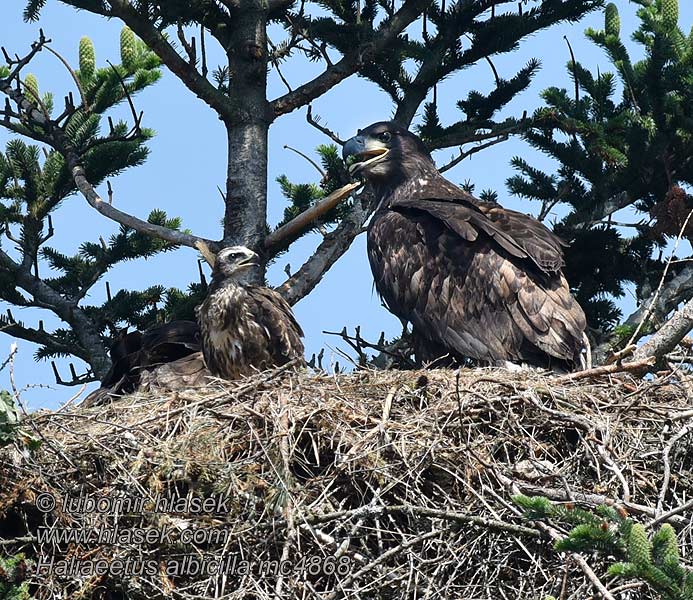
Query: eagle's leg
[
  {"x": 523, "y": 366},
  {"x": 586, "y": 354}
]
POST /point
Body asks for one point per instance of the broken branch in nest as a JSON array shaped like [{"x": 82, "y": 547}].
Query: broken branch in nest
[
  {"x": 359, "y": 344},
  {"x": 637, "y": 366}
]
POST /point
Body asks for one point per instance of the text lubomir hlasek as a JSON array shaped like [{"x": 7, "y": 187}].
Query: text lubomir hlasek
[{"x": 159, "y": 504}]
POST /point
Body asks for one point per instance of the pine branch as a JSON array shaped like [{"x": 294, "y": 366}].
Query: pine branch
[
  {"x": 351, "y": 61},
  {"x": 56, "y": 136},
  {"x": 186, "y": 72},
  {"x": 66, "y": 309},
  {"x": 42, "y": 338}
]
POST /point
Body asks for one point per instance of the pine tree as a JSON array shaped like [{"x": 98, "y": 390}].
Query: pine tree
[
  {"x": 369, "y": 37},
  {"x": 371, "y": 41},
  {"x": 33, "y": 183},
  {"x": 615, "y": 153}
]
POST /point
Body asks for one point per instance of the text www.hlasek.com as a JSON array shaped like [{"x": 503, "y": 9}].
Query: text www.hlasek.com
[
  {"x": 57, "y": 536},
  {"x": 193, "y": 565}
]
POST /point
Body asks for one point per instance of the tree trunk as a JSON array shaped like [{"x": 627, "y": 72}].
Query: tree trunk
[{"x": 246, "y": 185}]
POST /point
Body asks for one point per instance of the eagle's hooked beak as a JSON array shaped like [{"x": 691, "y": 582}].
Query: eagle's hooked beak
[
  {"x": 252, "y": 260},
  {"x": 358, "y": 152}
]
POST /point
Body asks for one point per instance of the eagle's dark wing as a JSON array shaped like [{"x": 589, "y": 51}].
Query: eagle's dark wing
[
  {"x": 542, "y": 245},
  {"x": 519, "y": 235},
  {"x": 135, "y": 353},
  {"x": 276, "y": 316},
  {"x": 170, "y": 341},
  {"x": 462, "y": 282}
]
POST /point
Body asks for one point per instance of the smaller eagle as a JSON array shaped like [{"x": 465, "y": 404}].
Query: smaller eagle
[
  {"x": 476, "y": 280},
  {"x": 244, "y": 328},
  {"x": 167, "y": 355},
  {"x": 240, "y": 329}
]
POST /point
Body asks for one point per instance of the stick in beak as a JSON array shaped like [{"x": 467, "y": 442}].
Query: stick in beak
[{"x": 206, "y": 252}]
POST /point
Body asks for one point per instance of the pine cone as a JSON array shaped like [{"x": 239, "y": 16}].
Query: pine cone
[
  {"x": 128, "y": 49},
  {"x": 31, "y": 84},
  {"x": 671, "y": 213},
  {"x": 612, "y": 21},
  {"x": 639, "y": 547},
  {"x": 670, "y": 550},
  {"x": 670, "y": 13},
  {"x": 87, "y": 59}
]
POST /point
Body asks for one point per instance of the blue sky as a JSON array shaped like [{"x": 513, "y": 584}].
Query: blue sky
[{"x": 188, "y": 162}]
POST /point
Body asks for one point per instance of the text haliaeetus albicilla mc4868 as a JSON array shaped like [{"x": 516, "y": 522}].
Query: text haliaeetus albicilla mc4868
[
  {"x": 474, "y": 279},
  {"x": 244, "y": 328}
]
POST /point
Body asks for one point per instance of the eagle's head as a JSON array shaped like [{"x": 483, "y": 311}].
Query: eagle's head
[
  {"x": 386, "y": 153},
  {"x": 232, "y": 261}
]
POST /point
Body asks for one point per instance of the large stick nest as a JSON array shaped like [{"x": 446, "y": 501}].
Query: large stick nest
[{"x": 368, "y": 485}]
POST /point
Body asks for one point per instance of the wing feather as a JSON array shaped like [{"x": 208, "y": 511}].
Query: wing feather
[
  {"x": 466, "y": 294},
  {"x": 518, "y": 234},
  {"x": 276, "y": 316}
]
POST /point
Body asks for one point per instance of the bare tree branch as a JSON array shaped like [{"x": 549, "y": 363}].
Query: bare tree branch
[
  {"x": 330, "y": 249},
  {"x": 43, "y": 338},
  {"x": 460, "y": 138},
  {"x": 462, "y": 155},
  {"x": 669, "y": 335},
  {"x": 314, "y": 121},
  {"x": 66, "y": 309},
  {"x": 596, "y": 213},
  {"x": 108, "y": 210},
  {"x": 350, "y": 63},
  {"x": 678, "y": 289}
]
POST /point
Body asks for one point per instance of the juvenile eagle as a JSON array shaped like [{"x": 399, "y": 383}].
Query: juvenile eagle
[
  {"x": 245, "y": 328},
  {"x": 163, "y": 355},
  {"x": 475, "y": 280}
]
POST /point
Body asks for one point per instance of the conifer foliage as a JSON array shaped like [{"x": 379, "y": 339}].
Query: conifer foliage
[
  {"x": 407, "y": 48},
  {"x": 13, "y": 575},
  {"x": 623, "y": 139},
  {"x": 33, "y": 184},
  {"x": 611, "y": 534}
]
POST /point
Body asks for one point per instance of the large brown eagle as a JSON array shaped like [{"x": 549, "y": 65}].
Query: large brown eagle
[
  {"x": 245, "y": 328},
  {"x": 474, "y": 279}
]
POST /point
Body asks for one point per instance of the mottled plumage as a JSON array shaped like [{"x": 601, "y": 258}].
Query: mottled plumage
[
  {"x": 164, "y": 355},
  {"x": 245, "y": 328},
  {"x": 475, "y": 280}
]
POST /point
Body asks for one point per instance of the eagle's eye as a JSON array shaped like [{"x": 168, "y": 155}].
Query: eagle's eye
[{"x": 385, "y": 136}]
